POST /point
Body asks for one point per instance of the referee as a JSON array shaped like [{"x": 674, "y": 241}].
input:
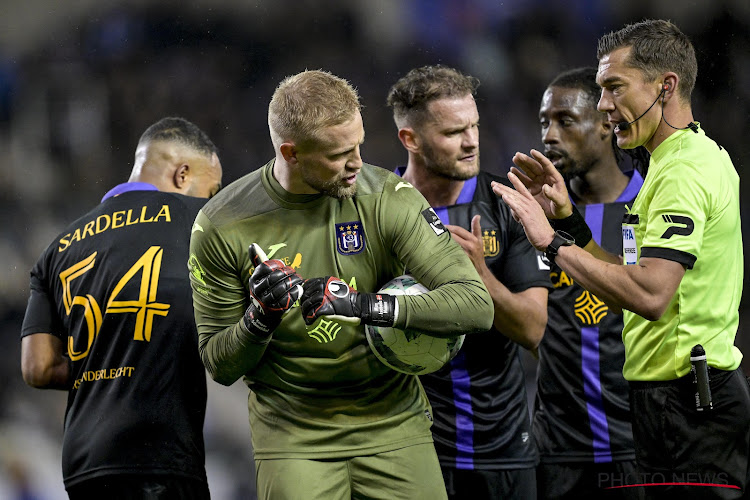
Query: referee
[{"x": 680, "y": 277}]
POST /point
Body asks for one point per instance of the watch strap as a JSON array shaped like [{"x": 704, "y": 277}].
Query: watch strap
[{"x": 560, "y": 239}]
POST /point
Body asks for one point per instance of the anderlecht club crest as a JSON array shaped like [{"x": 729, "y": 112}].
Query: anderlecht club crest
[{"x": 350, "y": 238}]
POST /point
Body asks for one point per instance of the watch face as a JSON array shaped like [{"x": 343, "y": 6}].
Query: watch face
[{"x": 568, "y": 240}]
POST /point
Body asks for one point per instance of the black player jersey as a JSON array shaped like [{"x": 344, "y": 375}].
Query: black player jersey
[
  {"x": 479, "y": 399},
  {"x": 114, "y": 288},
  {"x": 581, "y": 409}
]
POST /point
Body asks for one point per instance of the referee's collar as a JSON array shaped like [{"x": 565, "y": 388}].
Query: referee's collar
[{"x": 129, "y": 186}]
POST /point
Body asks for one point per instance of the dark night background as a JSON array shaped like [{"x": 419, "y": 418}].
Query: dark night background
[{"x": 81, "y": 80}]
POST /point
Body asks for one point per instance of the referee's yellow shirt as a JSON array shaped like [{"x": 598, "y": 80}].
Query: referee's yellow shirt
[{"x": 688, "y": 211}]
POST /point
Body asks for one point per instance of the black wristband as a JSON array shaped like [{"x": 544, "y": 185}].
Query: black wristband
[
  {"x": 378, "y": 309},
  {"x": 575, "y": 226}
]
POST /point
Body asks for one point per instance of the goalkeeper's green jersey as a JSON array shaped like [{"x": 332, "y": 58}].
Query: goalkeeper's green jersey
[{"x": 319, "y": 391}]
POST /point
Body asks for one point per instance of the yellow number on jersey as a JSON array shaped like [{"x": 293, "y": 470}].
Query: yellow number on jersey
[
  {"x": 91, "y": 311},
  {"x": 145, "y": 306}
]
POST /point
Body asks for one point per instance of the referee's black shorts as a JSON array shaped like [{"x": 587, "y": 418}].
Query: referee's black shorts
[{"x": 702, "y": 454}]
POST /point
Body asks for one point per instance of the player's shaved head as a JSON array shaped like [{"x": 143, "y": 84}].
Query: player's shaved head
[
  {"x": 175, "y": 155},
  {"x": 176, "y": 129}
]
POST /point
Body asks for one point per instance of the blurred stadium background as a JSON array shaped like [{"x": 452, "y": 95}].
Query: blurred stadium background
[{"x": 80, "y": 80}]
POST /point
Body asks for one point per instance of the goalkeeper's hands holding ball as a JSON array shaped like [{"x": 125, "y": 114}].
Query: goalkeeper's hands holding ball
[
  {"x": 331, "y": 297},
  {"x": 274, "y": 288}
]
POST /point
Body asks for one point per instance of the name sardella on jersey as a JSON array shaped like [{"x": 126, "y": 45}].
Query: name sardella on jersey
[{"x": 113, "y": 287}]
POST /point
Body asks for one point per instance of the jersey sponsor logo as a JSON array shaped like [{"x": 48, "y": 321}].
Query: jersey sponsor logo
[
  {"x": 403, "y": 184},
  {"x": 114, "y": 220},
  {"x": 589, "y": 309},
  {"x": 196, "y": 227},
  {"x": 434, "y": 221},
  {"x": 684, "y": 226},
  {"x": 560, "y": 279},
  {"x": 294, "y": 263},
  {"x": 489, "y": 242},
  {"x": 350, "y": 239},
  {"x": 325, "y": 331},
  {"x": 272, "y": 249}
]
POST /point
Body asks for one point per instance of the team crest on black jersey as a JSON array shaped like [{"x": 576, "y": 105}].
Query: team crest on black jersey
[
  {"x": 489, "y": 241},
  {"x": 350, "y": 238}
]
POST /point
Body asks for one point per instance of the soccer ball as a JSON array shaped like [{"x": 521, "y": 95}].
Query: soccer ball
[{"x": 412, "y": 352}]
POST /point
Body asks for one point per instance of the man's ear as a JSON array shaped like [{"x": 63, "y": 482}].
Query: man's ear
[
  {"x": 180, "y": 177},
  {"x": 606, "y": 129},
  {"x": 289, "y": 152},
  {"x": 669, "y": 85},
  {"x": 409, "y": 139}
]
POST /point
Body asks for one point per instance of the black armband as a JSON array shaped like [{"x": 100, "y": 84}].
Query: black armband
[
  {"x": 575, "y": 226},
  {"x": 378, "y": 309}
]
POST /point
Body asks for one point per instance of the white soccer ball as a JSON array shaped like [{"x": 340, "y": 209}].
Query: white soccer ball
[{"x": 412, "y": 352}]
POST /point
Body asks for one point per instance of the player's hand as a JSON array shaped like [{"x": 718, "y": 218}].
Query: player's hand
[
  {"x": 331, "y": 297},
  {"x": 274, "y": 288},
  {"x": 471, "y": 242}
]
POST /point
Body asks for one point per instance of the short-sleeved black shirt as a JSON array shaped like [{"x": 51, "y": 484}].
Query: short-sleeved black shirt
[{"x": 114, "y": 288}]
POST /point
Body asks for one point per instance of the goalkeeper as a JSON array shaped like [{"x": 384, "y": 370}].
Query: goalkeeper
[{"x": 328, "y": 420}]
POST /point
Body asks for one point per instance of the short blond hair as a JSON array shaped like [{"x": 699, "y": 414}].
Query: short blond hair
[{"x": 308, "y": 101}]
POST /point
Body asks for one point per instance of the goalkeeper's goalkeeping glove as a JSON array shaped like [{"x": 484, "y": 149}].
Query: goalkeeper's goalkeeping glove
[
  {"x": 331, "y": 297},
  {"x": 274, "y": 288}
]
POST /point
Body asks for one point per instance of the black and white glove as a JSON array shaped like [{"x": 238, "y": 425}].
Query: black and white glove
[
  {"x": 334, "y": 299},
  {"x": 274, "y": 288}
]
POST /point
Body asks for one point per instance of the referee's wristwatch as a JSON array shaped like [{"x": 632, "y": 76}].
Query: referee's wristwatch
[{"x": 561, "y": 239}]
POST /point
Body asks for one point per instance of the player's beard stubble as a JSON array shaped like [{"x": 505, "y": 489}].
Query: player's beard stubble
[
  {"x": 449, "y": 167},
  {"x": 335, "y": 188}
]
